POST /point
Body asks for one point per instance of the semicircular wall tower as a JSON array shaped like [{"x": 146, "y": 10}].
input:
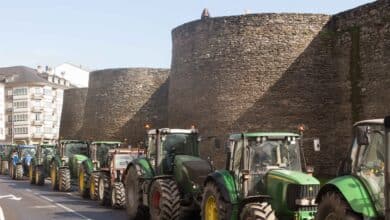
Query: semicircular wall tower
[
  {"x": 258, "y": 72},
  {"x": 121, "y": 101}
]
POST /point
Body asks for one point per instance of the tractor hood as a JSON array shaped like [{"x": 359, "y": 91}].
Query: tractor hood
[
  {"x": 191, "y": 172},
  {"x": 294, "y": 177},
  {"x": 78, "y": 158}
]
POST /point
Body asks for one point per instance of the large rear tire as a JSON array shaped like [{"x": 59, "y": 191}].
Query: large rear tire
[
  {"x": 19, "y": 172},
  {"x": 164, "y": 200},
  {"x": 118, "y": 199},
  {"x": 83, "y": 182},
  {"x": 134, "y": 205},
  {"x": 4, "y": 167},
  {"x": 54, "y": 176},
  {"x": 40, "y": 175},
  {"x": 332, "y": 206},
  {"x": 104, "y": 189},
  {"x": 258, "y": 211},
  {"x": 94, "y": 186},
  {"x": 64, "y": 184},
  {"x": 31, "y": 174},
  {"x": 214, "y": 207}
]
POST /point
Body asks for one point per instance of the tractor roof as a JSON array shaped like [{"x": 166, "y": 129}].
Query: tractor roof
[
  {"x": 371, "y": 121},
  {"x": 106, "y": 142},
  {"x": 72, "y": 141},
  {"x": 263, "y": 134},
  {"x": 173, "y": 131},
  {"x": 26, "y": 146}
]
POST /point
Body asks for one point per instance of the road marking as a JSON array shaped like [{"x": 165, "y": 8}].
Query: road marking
[
  {"x": 44, "y": 206},
  {"x": 72, "y": 211},
  {"x": 44, "y": 197},
  {"x": 28, "y": 190},
  {"x": 1, "y": 214},
  {"x": 10, "y": 196}
]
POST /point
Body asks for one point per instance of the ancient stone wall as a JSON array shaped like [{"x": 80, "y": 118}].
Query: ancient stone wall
[
  {"x": 121, "y": 101},
  {"x": 73, "y": 113}
]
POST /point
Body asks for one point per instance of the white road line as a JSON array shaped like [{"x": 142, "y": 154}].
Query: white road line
[
  {"x": 1, "y": 214},
  {"x": 44, "y": 206},
  {"x": 44, "y": 197},
  {"x": 72, "y": 211}
]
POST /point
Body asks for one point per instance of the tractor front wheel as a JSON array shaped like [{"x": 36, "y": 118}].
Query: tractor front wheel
[
  {"x": 333, "y": 207},
  {"x": 83, "y": 182},
  {"x": 64, "y": 180},
  {"x": 4, "y": 167},
  {"x": 164, "y": 200},
  {"x": 134, "y": 205},
  {"x": 258, "y": 211},
  {"x": 40, "y": 175},
  {"x": 118, "y": 199},
  {"x": 94, "y": 186},
  {"x": 104, "y": 189},
  {"x": 19, "y": 172},
  {"x": 31, "y": 174},
  {"x": 214, "y": 207}
]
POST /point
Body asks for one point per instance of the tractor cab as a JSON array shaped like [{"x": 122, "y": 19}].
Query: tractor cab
[
  {"x": 164, "y": 144},
  {"x": 24, "y": 154},
  {"x": 44, "y": 151},
  {"x": 68, "y": 148},
  {"x": 99, "y": 152},
  {"x": 118, "y": 159}
]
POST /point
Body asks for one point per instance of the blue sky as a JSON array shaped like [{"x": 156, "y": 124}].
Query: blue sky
[{"x": 105, "y": 34}]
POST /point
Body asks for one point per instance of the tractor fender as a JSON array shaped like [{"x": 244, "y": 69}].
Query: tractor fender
[
  {"x": 144, "y": 165},
  {"x": 226, "y": 184},
  {"x": 353, "y": 191}
]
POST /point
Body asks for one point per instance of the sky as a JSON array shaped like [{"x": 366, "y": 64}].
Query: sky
[{"x": 100, "y": 34}]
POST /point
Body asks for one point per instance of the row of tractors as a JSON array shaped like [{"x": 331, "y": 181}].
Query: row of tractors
[{"x": 265, "y": 176}]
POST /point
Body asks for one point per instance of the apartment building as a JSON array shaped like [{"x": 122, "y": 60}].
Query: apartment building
[{"x": 33, "y": 105}]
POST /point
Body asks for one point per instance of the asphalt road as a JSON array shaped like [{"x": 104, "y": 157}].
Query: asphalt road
[{"x": 21, "y": 201}]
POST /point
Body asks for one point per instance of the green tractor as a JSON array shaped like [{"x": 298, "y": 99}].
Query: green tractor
[
  {"x": 89, "y": 171},
  {"x": 167, "y": 182},
  {"x": 359, "y": 191},
  {"x": 263, "y": 180},
  {"x": 111, "y": 190},
  {"x": 5, "y": 151},
  {"x": 40, "y": 163},
  {"x": 64, "y": 166}
]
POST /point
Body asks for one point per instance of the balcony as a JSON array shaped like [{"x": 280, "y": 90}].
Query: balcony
[
  {"x": 17, "y": 136},
  {"x": 37, "y": 96},
  {"x": 37, "y": 109},
  {"x": 37, "y": 123},
  {"x": 37, "y": 135}
]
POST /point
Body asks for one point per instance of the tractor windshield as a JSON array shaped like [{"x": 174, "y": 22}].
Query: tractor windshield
[
  {"x": 369, "y": 158},
  {"x": 264, "y": 155},
  {"x": 28, "y": 152},
  {"x": 180, "y": 144},
  {"x": 47, "y": 151},
  {"x": 75, "y": 148},
  {"x": 102, "y": 152},
  {"x": 121, "y": 160}
]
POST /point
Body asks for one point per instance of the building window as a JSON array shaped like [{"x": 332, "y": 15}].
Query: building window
[
  {"x": 9, "y": 92},
  {"x": 9, "y": 118},
  {"x": 9, "y": 131},
  {"x": 22, "y": 104},
  {"x": 48, "y": 104},
  {"x": 38, "y": 130},
  {"x": 48, "y": 130},
  {"x": 47, "y": 91},
  {"x": 20, "y": 91},
  {"x": 20, "y": 117},
  {"x": 38, "y": 90},
  {"x": 37, "y": 116},
  {"x": 21, "y": 130},
  {"x": 48, "y": 117}
]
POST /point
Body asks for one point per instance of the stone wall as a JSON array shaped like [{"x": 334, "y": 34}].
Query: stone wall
[
  {"x": 121, "y": 101},
  {"x": 72, "y": 113}
]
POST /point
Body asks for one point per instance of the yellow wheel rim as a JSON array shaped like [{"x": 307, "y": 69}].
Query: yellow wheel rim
[
  {"x": 92, "y": 190},
  {"x": 211, "y": 209},
  {"x": 53, "y": 175},
  {"x": 81, "y": 181},
  {"x": 37, "y": 177},
  {"x": 30, "y": 173}
]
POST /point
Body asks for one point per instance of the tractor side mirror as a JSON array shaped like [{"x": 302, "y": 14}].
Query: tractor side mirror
[
  {"x": 309, "y": 170},
  {"x": 362, "y": 138},
  {"x": 316, "y": 144}
]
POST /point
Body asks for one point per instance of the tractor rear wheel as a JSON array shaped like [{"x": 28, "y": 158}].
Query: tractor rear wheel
[
  {"x": 134, "y": 195},
  {"x": 54, "y": 176},
  {"x": 4, "y": 167},
  {"x": 164, "y": 200},
  {"x": 333, "y": 207},
  {"x": 118, "y": 199},
  {"x": 83, "y": 182},
  {"x": 94, "y": 186},
  {"x": 31, "y": 174},
  {"x": 258, "y": 211},
  {"x": 40, "y": 175},
  {"x": 19, "y": 172},
  {"x": 104, "y": 189},
  {"x": 64, "y": 180},
  {"x": 214, "y": 207}
]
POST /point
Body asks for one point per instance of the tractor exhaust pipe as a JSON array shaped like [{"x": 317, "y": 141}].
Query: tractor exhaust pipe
[{"x": 387, "y": 168}]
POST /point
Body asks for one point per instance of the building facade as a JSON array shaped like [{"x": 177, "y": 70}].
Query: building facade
[{"x": 32, "y": 104}]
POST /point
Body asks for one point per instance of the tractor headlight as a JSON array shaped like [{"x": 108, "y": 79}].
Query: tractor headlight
[{"x": 305, "y": 202}]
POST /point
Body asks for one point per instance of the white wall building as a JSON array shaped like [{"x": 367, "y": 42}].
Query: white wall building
[
  {"x": 2, "y": 113},
  {"x": 33, "y": 105},
  {"x": 76, "y": 75}
]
